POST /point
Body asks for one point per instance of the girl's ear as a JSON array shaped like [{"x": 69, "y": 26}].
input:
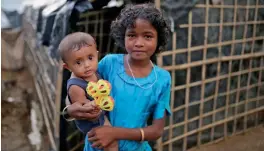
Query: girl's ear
[{"x": 66, "y": 66}]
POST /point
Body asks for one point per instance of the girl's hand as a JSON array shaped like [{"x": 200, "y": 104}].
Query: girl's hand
[
  {"x": 101, "y": 137},
  {"x": 79, "y": 111}
]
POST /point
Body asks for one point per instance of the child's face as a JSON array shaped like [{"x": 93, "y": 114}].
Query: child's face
[
  {"x": 141, "y": 41},
  {"x": 83, "y": 63}
]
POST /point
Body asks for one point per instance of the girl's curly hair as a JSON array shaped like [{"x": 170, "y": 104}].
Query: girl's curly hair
[{"x": 147, "y": 11}]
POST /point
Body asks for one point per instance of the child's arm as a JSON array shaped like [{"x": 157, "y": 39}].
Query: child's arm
[
  {"x": 78, "y": 95},
  {"x": 78, "y": 111}
]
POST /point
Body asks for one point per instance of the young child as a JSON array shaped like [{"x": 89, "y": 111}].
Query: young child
[
  {"x": 140, "y": 88},
  {"x": 80, "y": 56}
]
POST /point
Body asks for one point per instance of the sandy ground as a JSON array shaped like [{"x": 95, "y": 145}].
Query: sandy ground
[
  {"x": 17, "y": 95},
  {"x": 252, "y": 140},
  {"x": 15, "y": 112}
]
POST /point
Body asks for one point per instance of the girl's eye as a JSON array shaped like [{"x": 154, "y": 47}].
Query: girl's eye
[
  {"x": 130, "y": 35},
  {"x": 148, "y": 37},
  {"x": 90, "y": 57}
]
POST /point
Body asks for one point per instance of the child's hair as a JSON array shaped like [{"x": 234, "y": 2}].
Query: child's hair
[
  {"x": 74, "y": 42},
  {"x": 146, "y": 11}
]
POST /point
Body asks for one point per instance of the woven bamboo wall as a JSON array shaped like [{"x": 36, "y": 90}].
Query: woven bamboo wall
[
  {"x": 237, "y": 100},
  {"x": 47, "y": 77}
]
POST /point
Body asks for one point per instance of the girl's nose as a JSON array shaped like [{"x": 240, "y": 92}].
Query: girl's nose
[{"x": 139, "y": 42}]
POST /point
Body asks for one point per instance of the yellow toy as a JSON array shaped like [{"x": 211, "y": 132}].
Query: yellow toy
[{"x": 100, "y": 92}]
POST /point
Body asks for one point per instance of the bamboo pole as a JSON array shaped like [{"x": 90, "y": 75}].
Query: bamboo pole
[
  {"x": 230, "y": 68},
  {"x": 203, "y": 72},
  {"x": 58, "y": 101},
  {"x": 172, "y": 92},
  {"x": 240, "y": 67},
  {"x": 250, "y": 65},
  {"x": 187, "y": 92},
  {"x": 218, "y": 67}
]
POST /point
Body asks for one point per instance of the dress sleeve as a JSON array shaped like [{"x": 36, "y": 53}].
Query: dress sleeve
[
  {"x": 104, "y": 66},
  {"x": 164, "y": 100}
]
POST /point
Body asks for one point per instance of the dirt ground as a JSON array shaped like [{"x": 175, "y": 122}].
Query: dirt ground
[
  {"x": 252, "y": 140},
  {"x": 17, "y": 92}
]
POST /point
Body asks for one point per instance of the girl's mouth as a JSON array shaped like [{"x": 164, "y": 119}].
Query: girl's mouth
[{"x": 138, "y": 52}]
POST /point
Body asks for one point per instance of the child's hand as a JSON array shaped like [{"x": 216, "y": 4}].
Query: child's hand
[
  {"x": 95, "y": 109},
  {"x": 89, "y": 104},
  {"x": 78, "y": 111}
]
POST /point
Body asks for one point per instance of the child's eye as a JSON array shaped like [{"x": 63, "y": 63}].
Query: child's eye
[
  {"x": 90, "y": 57},
  {"x": 78, "y": 62}
]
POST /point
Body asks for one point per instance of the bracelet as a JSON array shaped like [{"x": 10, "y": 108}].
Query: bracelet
[
  {"x": 142, "y": 134},
  {"x": 65, "y": 113}
]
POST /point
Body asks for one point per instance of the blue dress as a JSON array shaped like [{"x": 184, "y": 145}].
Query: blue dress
[{"x": 134, "y": 105}]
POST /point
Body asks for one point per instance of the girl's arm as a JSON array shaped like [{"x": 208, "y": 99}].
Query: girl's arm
[
  {"x": 152, "y": 132},
  {"x": 103, "y": 136}
]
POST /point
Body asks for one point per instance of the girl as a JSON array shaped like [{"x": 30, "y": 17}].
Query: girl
[{"x": 140, "y": 88}]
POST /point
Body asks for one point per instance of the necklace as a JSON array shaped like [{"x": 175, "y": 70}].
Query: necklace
[{"x": 135, "y": 78}]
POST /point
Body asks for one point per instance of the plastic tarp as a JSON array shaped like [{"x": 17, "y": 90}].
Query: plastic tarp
[
  {"x": 66, "y": 19},
  {"x": 49, "y": 13},
  {"x": 13, "y": 17},
  {"x": 5, "y": 23}
]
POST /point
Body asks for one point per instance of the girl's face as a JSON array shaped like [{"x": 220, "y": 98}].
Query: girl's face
[{"x": 141, "y": 40}]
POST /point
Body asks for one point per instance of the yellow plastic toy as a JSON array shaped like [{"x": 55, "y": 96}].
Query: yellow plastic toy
[{"x": 100, "y": 92}]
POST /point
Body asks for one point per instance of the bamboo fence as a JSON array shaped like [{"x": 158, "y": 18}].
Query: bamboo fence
[
  {"x": 231, "y": 115},
  {"x": 47, "y": 77}
]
